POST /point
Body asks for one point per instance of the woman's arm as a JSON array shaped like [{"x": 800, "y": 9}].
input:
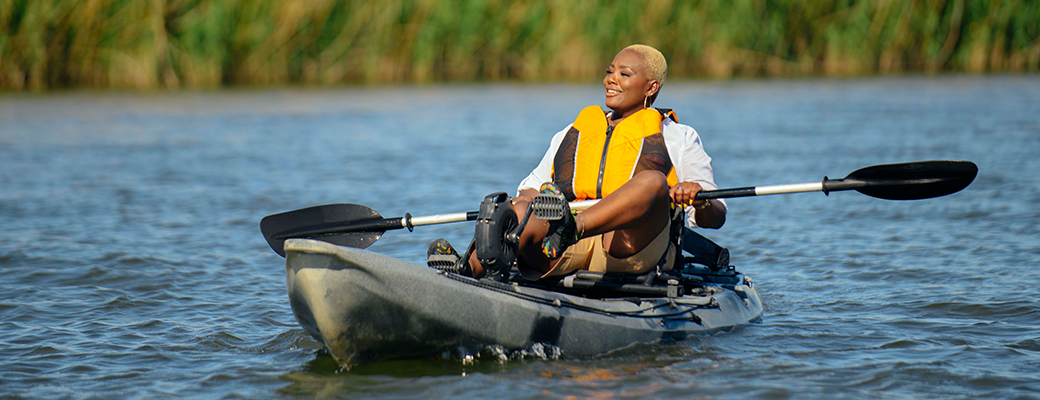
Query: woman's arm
[{"x": 694, "y": 171}]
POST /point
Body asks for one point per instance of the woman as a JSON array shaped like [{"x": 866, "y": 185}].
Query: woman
[{"x": 635, "y": 158}]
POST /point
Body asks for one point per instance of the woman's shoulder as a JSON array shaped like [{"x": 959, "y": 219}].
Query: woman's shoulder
[{"x": 671, "y": 127}]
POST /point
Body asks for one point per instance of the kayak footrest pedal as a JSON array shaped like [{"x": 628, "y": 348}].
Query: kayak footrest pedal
[{"x": 549, "y": 206}]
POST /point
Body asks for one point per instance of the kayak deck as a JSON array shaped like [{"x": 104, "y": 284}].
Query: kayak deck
[{"x": 365, "y": 306}]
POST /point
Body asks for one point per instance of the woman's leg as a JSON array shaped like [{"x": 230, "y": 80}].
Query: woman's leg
[
  {"x": 632, "y": 216},
  {"x": 629, "y": 218}
]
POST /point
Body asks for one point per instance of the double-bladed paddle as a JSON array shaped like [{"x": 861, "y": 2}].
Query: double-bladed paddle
[{"x": 355, "y": 225}]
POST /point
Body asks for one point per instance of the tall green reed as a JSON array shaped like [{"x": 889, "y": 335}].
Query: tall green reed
[{"x": 47, "y": 44}]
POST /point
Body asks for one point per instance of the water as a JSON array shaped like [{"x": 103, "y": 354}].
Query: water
[{"x": 133, "y": 266}]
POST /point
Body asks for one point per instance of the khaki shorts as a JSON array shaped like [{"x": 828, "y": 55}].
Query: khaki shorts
[{"x": 589, "y": 254}]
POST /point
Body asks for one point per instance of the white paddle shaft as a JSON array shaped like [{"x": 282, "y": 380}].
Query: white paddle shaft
[
  {"x": 792, "y": 188},
  {"x": 585, "y": 204}
]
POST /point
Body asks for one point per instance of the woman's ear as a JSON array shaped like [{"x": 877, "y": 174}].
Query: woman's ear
[{"x": 652, "y": 87}]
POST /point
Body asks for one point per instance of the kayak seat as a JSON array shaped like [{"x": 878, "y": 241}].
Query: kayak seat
[{"x": 702, "y": 251}]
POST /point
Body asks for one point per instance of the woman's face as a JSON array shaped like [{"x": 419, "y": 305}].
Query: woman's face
[{"x": 626, "y": 84}]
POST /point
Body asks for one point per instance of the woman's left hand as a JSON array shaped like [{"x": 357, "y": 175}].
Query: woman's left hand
[{"x": 684, "y": 192}]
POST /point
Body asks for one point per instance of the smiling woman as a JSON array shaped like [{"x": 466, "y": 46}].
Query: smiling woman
[{"x": 637, "y": 159}]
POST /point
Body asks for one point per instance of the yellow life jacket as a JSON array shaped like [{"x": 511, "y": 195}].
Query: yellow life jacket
[{"x": 595, "y": 159}]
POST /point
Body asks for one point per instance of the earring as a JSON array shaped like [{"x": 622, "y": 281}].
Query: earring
[{"x": 644, "y": 101}]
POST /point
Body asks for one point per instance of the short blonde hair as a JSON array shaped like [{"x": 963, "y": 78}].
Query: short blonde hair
[{"x": 656, "y": 66}]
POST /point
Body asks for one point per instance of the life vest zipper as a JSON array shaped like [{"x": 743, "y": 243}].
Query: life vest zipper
[{"x": 603, "y": 163}]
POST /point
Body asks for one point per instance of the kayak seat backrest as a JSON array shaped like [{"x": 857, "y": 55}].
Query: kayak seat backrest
[{"x": 701, "y": 250}]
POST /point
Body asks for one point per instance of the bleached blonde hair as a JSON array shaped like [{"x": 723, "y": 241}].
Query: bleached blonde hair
[{"x": 656, "y": 66}]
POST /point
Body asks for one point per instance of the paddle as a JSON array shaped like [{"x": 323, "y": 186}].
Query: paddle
[
  {"x": 906, "y": 181},
  {"x": 355, "y": 225}
]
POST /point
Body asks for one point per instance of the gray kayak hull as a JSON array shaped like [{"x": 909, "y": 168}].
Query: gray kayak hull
[{"x": 365, "y": 306}]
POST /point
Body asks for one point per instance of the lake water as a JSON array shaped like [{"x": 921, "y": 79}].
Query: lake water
[{"x": 133, "y": 266}]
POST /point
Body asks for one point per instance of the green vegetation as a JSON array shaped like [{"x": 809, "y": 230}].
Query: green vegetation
[{"x": 47, "y": 44}]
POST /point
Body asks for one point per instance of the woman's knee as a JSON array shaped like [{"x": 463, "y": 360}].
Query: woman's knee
[{"x": 654, "y": 180}]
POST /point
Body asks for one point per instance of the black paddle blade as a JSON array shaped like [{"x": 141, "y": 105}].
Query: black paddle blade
[
  {"x": 317, "y": 222},
  {"x": 912, "y": 181}
]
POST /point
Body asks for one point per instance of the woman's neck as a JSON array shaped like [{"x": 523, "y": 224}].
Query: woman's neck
[{"x": 615, "y": 117}]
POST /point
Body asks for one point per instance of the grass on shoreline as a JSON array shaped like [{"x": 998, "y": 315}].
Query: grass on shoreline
[{"x": 148, "y": 44}]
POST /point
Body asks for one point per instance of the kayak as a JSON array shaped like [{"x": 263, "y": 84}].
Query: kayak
[{"x": 364, "y": 306}]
